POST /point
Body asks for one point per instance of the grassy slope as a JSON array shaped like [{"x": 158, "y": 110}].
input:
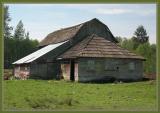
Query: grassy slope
[{"x": 39, "y": 94}]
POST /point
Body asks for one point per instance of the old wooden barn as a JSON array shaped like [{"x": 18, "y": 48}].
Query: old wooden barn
[{"x": 85, "y": 52}]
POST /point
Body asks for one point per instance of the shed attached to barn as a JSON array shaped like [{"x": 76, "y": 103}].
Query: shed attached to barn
[
  {"x": 39, "y": 64},
  {"x": 85, "y": 52}
]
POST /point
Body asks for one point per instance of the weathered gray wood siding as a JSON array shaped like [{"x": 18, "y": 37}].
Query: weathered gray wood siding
[
  {"x": 52, "y": 55},
  {"x": 104, "y": 68},
  {"x": 46, "y": 67},
  {"x": 93, "y": 28},
  {"x": 44, "y": 70}
]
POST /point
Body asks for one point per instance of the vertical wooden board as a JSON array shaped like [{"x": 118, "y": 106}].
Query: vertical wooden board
[
  {"x": 76, "y": 72},
  {"x": 65, "y": 71},
  {"x": 52, "y": 70}
]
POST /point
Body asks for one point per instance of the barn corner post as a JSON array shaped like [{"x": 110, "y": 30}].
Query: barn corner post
[{"x": 59, "y": 70}]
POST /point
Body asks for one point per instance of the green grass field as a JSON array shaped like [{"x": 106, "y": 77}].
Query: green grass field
[{"x": 61, "y": 95}]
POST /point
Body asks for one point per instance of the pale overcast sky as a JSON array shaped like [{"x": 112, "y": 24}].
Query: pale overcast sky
[{"x": 122, "y": 19}]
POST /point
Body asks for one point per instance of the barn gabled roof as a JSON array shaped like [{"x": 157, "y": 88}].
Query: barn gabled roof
[
  {"x": 95, "y": 46},
  {"x": 68, "y": 33},
  {"x": 37, "y": 54}
]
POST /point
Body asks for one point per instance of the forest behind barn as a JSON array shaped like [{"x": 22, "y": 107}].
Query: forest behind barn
[{"x": 17, "y": 44}]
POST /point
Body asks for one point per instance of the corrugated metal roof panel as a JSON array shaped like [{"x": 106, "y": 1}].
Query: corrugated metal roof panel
[{"x": 33, "y": 56}]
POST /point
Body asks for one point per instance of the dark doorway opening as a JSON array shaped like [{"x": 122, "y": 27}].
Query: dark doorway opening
[{"x": 72, "y": 65}]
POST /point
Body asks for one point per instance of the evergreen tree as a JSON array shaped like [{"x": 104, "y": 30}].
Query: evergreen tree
[
  {"x": 141, "y": 35},
  {"x": 7, "y": 37},
  {"x": 7, "y": 19},
  {"x": 19, "y": 31},
  {"x": 19, "y": 35},
  {"x": 27, "y": 35},
  {"x": 18, "y": 46}
]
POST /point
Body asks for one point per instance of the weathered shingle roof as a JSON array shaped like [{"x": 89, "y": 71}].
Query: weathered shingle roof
[
  {"x": 35, "y": 55},
  {"x": 95, "y": 46},
  {"x": 60, "y": 35},
  {"x": 67, "y": 33}
]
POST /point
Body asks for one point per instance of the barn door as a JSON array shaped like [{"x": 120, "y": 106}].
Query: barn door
[{"x": 72, "y": 69}]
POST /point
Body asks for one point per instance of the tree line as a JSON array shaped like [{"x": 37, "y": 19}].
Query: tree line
[{"x": 17, "y": 45}]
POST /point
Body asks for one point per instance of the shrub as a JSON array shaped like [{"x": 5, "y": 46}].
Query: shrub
[{"x": 7, "y": 74}]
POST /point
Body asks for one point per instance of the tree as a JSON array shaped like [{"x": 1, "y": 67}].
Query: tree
[
  {"x": 153, "y": 58},
  {"x": 119, "y": 39},
  {"x": 27, "y": 35},
  {"x": 145, "y": 51},
  {"x": 18, "y": 46},
  {"x": 19, "y": 36},
  {"x": 127, "y": 44},
  {"x": 7, "y": 37},
  {"x": 141, "y": 35},
  {"x": 7, "y": 19},
  {"x": 19, "y": 31}
]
